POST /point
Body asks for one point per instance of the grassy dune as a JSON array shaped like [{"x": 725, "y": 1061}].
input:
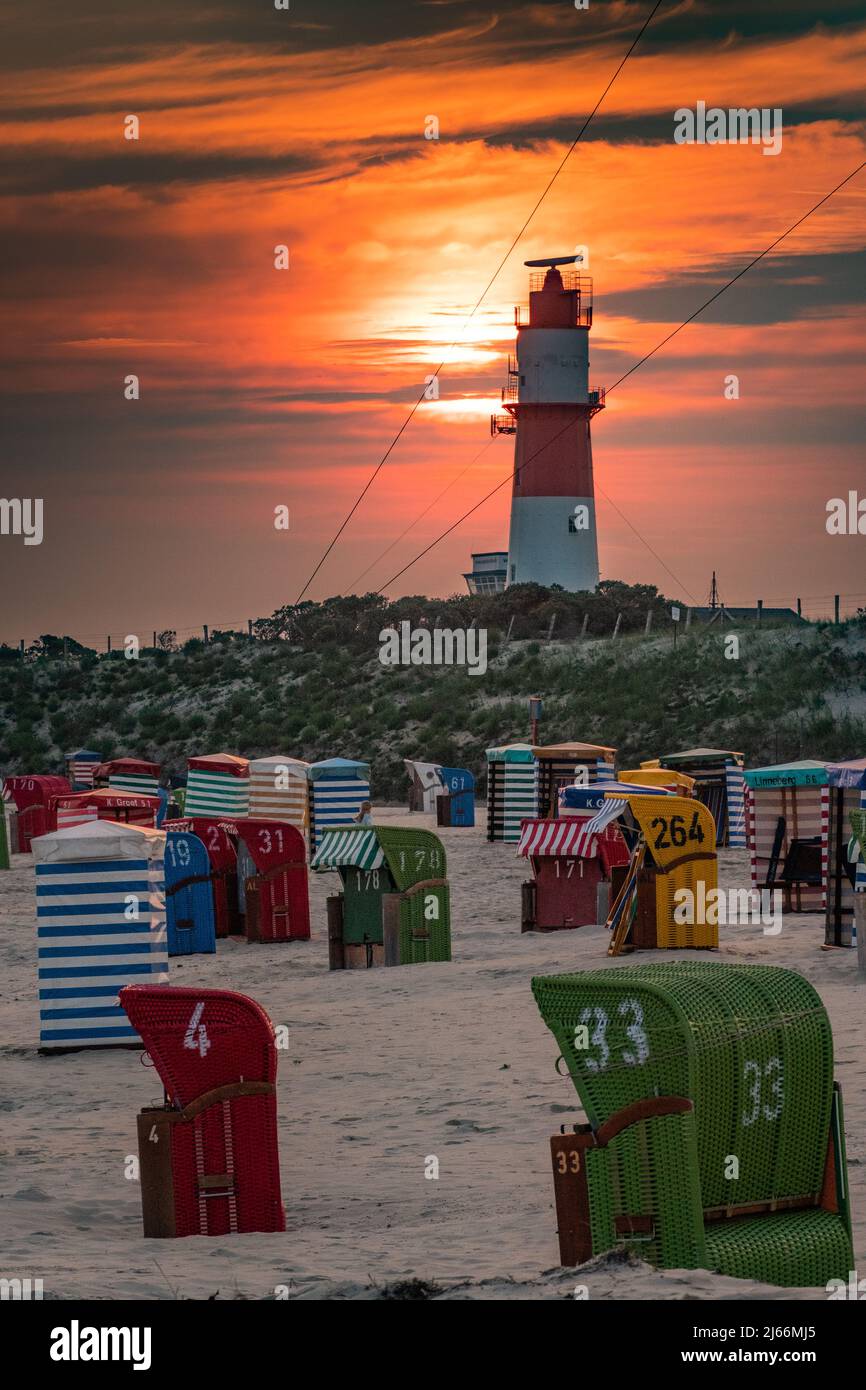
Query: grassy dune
[{"x": 311, "y": 685}]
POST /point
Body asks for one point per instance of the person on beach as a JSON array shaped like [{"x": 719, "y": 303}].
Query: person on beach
[{"x": 364, "y": 816}]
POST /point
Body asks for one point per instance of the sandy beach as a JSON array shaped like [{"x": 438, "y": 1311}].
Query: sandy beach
[{"x": 383, "y": 1069}]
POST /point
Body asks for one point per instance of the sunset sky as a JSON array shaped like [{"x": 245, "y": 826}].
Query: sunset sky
[{"x": 262, "y": 388}]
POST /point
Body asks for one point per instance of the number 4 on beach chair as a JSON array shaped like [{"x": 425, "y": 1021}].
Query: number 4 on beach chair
[{"x": 208, "y": 1158}]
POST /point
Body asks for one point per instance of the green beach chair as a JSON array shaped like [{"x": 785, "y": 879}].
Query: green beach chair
[
  {"x": 715, "y": 1132},
  {"x": 395, "y": 905}
]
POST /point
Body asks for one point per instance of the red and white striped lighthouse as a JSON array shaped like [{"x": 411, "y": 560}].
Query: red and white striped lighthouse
[{"x": 553, "y": 537}]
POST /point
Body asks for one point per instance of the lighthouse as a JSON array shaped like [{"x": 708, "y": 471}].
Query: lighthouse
[{"x": 548, "y": 405}]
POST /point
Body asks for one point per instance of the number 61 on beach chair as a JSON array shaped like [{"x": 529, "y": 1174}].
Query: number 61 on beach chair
[{"x": 715, "y": 1135}]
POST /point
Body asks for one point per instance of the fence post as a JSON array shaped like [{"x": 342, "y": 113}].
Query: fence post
[
  {"x": 799, "y": 608},
  {"x": 688, "y": 618},
  {"x": 585, "y": 624},
  {"x": 21, "y": 648},
  {"x": 760, "y": 611},
  {"x": 206, "y": 637},
  {"x": 617, "y": 624},
  {"x": 66, "y": 651},
  {"x": 154, "y": 640},
  {"x": 835, "y": 608},
  {"x": 108, "y": 644},
  {"x": 510, "y": 626},
  {"x": 649, "y": 622},
  {"x": 552, "y": 626},
  {"x": 250, "y": 628}
]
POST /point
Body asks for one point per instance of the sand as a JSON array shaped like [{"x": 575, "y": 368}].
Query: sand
[{"x": 384, "y": 1069}]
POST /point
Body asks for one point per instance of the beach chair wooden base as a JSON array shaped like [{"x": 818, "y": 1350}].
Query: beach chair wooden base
[
  {"x": 570, "y": 1186},
  {"x": 176, "y": 1193},
  {"x": 347, "y": 955},
  {"x": 724, "y": 1227}
]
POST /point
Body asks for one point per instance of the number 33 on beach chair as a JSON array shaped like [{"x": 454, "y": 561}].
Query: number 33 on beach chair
[
  {"x": 208, "y": 1158},
  {"x": 715, "y": 1136}
]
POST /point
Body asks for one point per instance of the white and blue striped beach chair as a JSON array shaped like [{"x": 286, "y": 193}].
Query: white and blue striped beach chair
[{"x": 100, "y": 906}]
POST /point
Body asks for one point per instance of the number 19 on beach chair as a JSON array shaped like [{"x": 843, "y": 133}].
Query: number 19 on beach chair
[
  {"x": 208, "y": 1157},
  {"x": 715, "y": 1134}
]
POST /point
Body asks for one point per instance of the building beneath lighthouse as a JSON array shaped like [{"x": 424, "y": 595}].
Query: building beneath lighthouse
[{"x": 548, "y": 407}]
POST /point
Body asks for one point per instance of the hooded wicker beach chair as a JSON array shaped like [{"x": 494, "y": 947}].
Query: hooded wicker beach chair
[
  {"x": 715, "y": 1134},
  {"x": 395, "y": 905},
  {"x": 208, "y": 1158}
]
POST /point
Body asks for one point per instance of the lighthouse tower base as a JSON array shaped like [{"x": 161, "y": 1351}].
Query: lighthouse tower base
[{"x": 552, "y": 540}]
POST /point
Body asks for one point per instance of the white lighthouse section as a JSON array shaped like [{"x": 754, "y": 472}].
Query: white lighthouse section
[
  {"x": 553, "y": 365},
  {"x": 545, "y": 545}
]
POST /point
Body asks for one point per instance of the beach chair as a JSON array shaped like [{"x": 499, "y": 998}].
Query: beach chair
[
  {"x": 783, "y": 831},
  {"x": 571, "y": 862},
  {"x": 31, "y": 800},
  {"x": 858, "y": 825},
  {"x": 189, "y": 896},
  {"x": 715, "y": 1135},
  {"x": 219, "y": 839},
  {"x": 456, "y": 806},
  {"x": 208, "y": 1157},
  {"x": 272, "y": 865},
  {"x": 674, "y": 854},
  {"x": 844, "y": 868},
  {"x": 395, "y": 904}
]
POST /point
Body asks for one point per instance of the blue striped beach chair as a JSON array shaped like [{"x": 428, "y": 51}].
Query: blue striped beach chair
[
  {"x": 338, "y": 789},
  {"x": 100, "y": 906}
]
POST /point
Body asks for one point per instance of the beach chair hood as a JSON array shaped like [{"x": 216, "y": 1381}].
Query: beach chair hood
[{"x": 99, "y": 839}]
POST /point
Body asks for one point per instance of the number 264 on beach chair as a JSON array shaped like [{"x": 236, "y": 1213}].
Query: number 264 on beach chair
[
  {"x": 673, "y": 864},
  {"x": 715, "y": 1134},
  {"x": 208, "y": 1157}
]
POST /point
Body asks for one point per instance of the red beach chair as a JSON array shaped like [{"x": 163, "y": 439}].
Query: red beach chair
[
  {"x": 276, "y": 885},
  {"x": 208, "y": 1160}
]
